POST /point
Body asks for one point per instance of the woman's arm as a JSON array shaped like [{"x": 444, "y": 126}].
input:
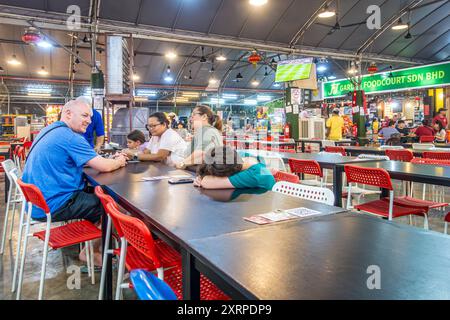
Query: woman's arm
[
  {"x": 211, "y": 182},
  {"x": 195, "y": 157},
  {"x": 161, "y": 155}
]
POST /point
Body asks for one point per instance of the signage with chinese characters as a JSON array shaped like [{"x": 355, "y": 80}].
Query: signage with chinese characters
[{"x": 432, "y": 75}]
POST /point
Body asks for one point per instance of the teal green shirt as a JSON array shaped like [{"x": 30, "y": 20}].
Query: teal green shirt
[{"x": 257, "y": 176}]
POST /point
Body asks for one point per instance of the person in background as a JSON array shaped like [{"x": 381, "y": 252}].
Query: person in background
[
  {"x": 207, "y": 133},
  {"x": 165, "y": 145},
  {"x": 404, "y": 131},
  {"x": 225, "y": 169},
  {"x": 55, "y": 165},
  {"x": 182, "y": 131},
  {"x": 424, "y": 130},
  {"x": 136, "y": 141},
  {"x": 441, "y": 117},
  {"x": 173, "y": 120},
  {"x": 335, "y": 125},
  {"x": 441, "y": 134},
  {"x": 96, "y": 126},
  {"x": 375, "y": 125},
  {"x": 386, "y": 132}
]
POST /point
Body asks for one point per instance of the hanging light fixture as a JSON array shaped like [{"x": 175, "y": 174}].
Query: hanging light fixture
[
  {"x": 42, "y": 71},
  {"x": 203, "y": 58},
  {"x": 239, "y": 77},
  {"x": 212, "y": 67},
  {"x": 400, "y": 25},
  {"x": 255, "y": 83},
  {"x": 31, "y": 36},
  {"x": 408, "y": 35},
  {"x": 326, "y": 12},
  {"x": 168, "y": 69},
  {"x": 265, "y": 73},
  {"x": 171, "y": 55},
  {"x": 190, "y": 74},
  {"x": 135, "y": 76},
  {"x": 254, "y": 58},
  {"x": 258, "y": 3},
  {"x": 13, "y": 61},
  {"x": 372, "y": 68},
  {"x": 221, "y": 57}
]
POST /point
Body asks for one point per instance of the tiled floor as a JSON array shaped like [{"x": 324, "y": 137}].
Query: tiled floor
[{"x": 57, "y": 278}]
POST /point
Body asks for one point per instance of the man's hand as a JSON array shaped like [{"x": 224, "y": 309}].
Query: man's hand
[
  {"x": 122, "y": 159},
  {"x": 97, "y": 149},
  {"x": 129, "y": 153},
  {"x": 180, "y": 165}
]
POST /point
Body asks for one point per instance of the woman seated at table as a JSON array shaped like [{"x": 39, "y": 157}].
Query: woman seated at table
[
  {"x": 424, "y": 130},
  {"x": 207, "y": 134},
  {"x": 225, "y": 169},
  {"x": 165, "y": 145},
  {"x": 441, "y": 134}
]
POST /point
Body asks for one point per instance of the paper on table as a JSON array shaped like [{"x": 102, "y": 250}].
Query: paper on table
[
  {"x": 155, "y": 178},
  {"x": 303, "y": 212},
  {"x": 277, "y": 216},
  {"x": 181, "y": 176}
]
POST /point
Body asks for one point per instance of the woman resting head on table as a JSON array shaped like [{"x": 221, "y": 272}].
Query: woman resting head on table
[{"x": 223, "y": 168}]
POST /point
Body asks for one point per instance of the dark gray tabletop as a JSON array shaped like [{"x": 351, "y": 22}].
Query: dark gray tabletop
[
  {"x": 328, "y": 258},
  {"x": 184, "y": 212},
  {"x": 431, "y": 174}
]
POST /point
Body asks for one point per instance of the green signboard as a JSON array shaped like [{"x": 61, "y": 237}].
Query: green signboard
[{"x": 431, "y": 75}]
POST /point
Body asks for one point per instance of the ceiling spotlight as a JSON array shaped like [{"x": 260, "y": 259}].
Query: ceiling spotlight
[
  {"x": 136, "y": 77},
  {"x": 42, "y": 71},
  {"x": 255, "y": 83},
  {"x": 212, "y": 81},
  {"x": 321, "y": 68},
  {"x": 13, "y": 61},
  {"x": 326, "y": 13},
  {"x": 221, "y": 57},
  {"x": 400, "y": 25},
  {"x": 44, "y": 44},
  {"x": 257, "y": 3},
  {"x": 171, "y": 55}
]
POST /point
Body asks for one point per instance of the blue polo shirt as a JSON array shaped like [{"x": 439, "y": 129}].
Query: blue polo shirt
[
  {"x": 55, "y": 165},
  {"x": 257, "y": 176},
  {"x": 95, "y": 125}
]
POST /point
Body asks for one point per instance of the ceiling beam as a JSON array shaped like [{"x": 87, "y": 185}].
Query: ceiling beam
[{"x": 57, "y": 21}]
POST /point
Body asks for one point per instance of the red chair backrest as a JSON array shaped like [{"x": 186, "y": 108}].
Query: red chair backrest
[
  {"x": 426, "y": 138},
  {"x": 305, "y": 166},
  {"x": 436, "y": 155},
  {"x": 34, "y": 195},
  {"x": 27, "y": 144},
  {"x": 338, "y": 149},
  {"x": 2, "y": 158},
  {"x": 431, "y": 161},
  {"x": 400, "y": 154},
  {"x": 376, "y": 177},
  {"x": 286, "y": 176},
  {"x": 447, "y": 217},
  {"x": 106, "y": 199},
  {"x": 136, "y": 233}
]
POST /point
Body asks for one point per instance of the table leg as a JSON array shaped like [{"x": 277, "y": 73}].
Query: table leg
[
  {"x": 337, "y": 185},
  {"x": 303, "y": 146},
  {"x": 191, "y": 277},
  {"x": 6, "y": 188},
  {"x": 107, "y": 289}
]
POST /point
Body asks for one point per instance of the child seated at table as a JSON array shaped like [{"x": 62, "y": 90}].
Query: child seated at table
[
  {"x": 136, "y": 142},
  {"x": 225, "y": 169}
]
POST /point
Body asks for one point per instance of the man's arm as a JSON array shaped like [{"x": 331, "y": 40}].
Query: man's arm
[
  {"x": 160, "y": 156},
  {"x": 107, "y": 165}
]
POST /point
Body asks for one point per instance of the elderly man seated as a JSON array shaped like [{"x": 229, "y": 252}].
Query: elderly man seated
[{"x": 55, "y": 165}]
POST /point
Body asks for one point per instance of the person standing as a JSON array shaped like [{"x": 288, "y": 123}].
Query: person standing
[
  {"x": 441, "y": 117},
  {"x": 96, "y": 126},
  {"x": 335, "y": 125}
]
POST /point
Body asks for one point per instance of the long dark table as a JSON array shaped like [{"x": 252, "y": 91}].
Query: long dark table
[
  {"x": 181, "y": 213},
  {"x": 331, "y": 257},
  {"x": 303, "y": 141},
  {"x": 423, "y": 173},
  {"x": 356, "y": 150}
]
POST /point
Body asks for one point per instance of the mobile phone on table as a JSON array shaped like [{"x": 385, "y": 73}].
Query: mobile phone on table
[{"x": 180, "y": 180}]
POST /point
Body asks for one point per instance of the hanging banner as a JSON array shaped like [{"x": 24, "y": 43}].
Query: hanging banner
[{"x": 432, "y": 75}]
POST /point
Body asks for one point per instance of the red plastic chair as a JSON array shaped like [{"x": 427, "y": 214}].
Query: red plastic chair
[
  {"x": 54, "y": 238},
  {"x": 379, "y": 177},
  {"x": 426, "y": 139},
  {"x": 134, "y": 259},
  {"x": 337, "y": 149},
  {"x": 436, "y": 155},
  {"x": 312, "y": 167},
  {"x": 286, "y": 176},
  {"x": 447, "y": 220},
  {"x": 2, "y": 158},
  {"x": 400, "y": 154},
  {"x": 138, "y": 236}
]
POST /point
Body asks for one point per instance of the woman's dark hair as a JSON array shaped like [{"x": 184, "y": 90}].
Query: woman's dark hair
[
  {"x": 220, "y": 161},
  {"x": 391, "y": 123},
  {"x": 425, "y": 122},
  {"x": 162, "y": 118},
  {"x": 441, "y": 126},
  {"x": 213, "y": 119},
  {"x": 136, "y": 135}
]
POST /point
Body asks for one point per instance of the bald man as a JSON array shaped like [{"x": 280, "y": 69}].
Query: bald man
[{"x": 55, "y": 165}]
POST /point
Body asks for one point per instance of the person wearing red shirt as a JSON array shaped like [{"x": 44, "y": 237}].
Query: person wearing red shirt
[
  {"x": 442, "y": 117},
  {"x": 424, "y": 130}
]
